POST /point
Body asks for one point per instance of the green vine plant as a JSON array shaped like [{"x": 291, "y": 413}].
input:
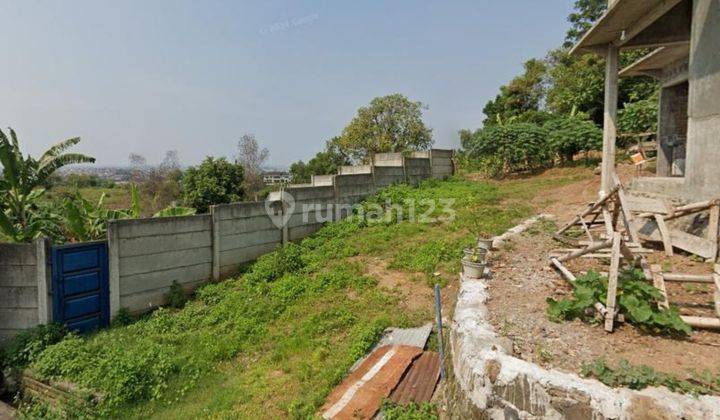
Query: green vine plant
[
  {"x": 643, "y": 376},
  {"x": 637, "y": 301}
]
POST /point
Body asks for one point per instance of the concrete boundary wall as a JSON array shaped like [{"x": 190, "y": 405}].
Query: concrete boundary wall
[
  {"x": 417, "y": 170},
  {"x": 24, "y": 287},
  {"x": 312, "y": 207},
  {"x": 441, "y": 163},
  {"x": 486, "y": 382},
  {"x": 241, "y": 233},
  {"x": 148, "y": 255}
]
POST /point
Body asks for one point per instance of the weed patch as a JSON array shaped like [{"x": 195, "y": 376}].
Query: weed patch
[{"x": 642, "y": 376}]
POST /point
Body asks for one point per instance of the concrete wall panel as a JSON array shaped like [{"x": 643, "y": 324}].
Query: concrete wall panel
[
  {"x": 417, "y": 170},
  {"x": 164, "y": 226},
  {"x": 152, "y": 253},
  {"x": 18, "y": 289},
  {"x": 245, "y": 232},
  {"x": 388, "y": 159}
]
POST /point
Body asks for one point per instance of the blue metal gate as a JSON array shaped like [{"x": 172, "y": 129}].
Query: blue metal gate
[{"x": 80, "y": 285}]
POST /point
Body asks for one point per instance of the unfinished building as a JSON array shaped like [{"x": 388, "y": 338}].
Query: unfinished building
[{"x": 683, "y": 37}]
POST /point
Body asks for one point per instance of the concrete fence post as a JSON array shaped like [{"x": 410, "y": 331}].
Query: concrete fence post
[
  {"x": 215, "y": 226},
  {"x": 42, "y": 247},
  {"x": 283, "y": 210},
  {"x": 113, "y": 238},
  {"x": 405, "y": 174}
]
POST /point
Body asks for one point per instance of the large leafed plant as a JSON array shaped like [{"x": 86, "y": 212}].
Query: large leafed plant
[{"x": 22, "y": 216}]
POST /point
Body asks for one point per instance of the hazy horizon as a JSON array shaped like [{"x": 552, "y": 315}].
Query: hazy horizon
[{"x": 139, "y": 77}]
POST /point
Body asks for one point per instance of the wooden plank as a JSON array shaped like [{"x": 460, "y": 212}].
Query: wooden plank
[
  {"x": 665, "y": 235},
  {"x": 609, "y": 229},
  {"x": 693, "y": 244},
  {"x": 627, "y": 217},
  {"x": 592, "y": 208},
  {"x": 659, "y": 283},
  {"x": 612, "y": 282},
  {"x": 682, "y": 240},
  {"x": 716, "y": 294}
]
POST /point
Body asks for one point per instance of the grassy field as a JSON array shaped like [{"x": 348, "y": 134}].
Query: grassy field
[
  {"x": 115, "y": 197},
  {"x": 275, "y": 340}
]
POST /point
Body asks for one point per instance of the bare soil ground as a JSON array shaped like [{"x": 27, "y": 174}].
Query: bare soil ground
[{"x": 522, "y": 280}]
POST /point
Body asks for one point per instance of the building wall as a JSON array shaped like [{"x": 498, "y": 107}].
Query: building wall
[
  {"x": 152, "y": 253},
  {"x": 18, "y": 289},
  {"x": 673, "y": 127},
  {"x": 703, "y": 146}
]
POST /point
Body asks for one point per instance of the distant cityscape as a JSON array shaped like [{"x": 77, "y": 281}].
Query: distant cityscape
[{"x": 124, "y": 173}]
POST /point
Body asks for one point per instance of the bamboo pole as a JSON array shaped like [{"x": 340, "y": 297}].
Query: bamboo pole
[
  {"x": 587, "y": 250},
  {"x": 702, "y": 322},
  {"x": 688, "y": 278}
]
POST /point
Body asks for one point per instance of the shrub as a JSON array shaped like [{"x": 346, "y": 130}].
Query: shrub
[
  {"x": 176, "y": 296},
  {"x": 28, "y": 344},
  {"x": 507, "y": 148},
  {"x": 568, "y": 135},
  {"x": 122, "y": 318},
  {"x": 214, "y": 181}
]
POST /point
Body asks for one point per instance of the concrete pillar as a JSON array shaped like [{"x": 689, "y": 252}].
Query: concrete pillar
[
  {"x": 215, "y": 226},
  {"x": 44, "y": 278},
  {"x": 610, "y": 119},
  {"x": 114, "y": 267}
]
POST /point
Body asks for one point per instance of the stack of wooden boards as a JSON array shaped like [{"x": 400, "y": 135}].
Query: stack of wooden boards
[{"x": 617, "y": 225}]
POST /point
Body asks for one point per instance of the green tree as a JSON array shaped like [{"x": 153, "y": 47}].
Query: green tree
[
  {"x": 22, "y": 217},
  {"x": 326, "y": 162},
  {"x": 214, "y": 181},
  {"x": 522, "y": 95},
  {"x": 586, "y": 12},
  {"x": 579, "y": 83},
  {"x": 390, "y": 123}
]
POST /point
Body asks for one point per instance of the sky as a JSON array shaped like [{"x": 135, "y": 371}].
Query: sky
[{"x": 194, "y": 76}]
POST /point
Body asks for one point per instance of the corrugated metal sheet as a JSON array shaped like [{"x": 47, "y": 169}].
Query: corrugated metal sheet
[
  {"x": 362, "y": 392},
  {"x": 419, "y": 382},
  {"x": 416, "y": 337}
]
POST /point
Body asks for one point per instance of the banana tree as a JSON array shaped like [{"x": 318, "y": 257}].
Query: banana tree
[
  {"x": 88, "y": 221},
  {"x": 22, "y": 185}
]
